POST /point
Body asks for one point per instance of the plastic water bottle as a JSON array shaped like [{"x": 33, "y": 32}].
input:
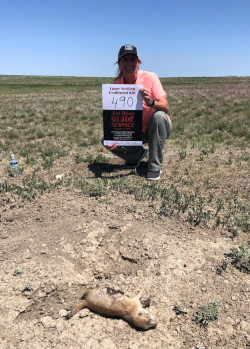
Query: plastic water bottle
[{"x": 14, "y": 166}]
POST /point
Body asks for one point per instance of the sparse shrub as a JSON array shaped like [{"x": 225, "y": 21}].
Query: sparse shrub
[
  {"x": 12, "y": 135},
  {"x": 179, "y": 308},
  {"x": 131, "y": 209},
  {"x": 98, "y": 188},
  {"x": 27, "y": 288},
  {"x": 30, "y": 187},
  {"x": 17, "y": 272},
  {"x": 83, "y": 144},
  {"x": 222, "y": 266},
  {"x": 207, "y": 313},
  {"x": 199, "y": 346},
  {"x": 47, "y": 161},
  {"x": 40, "y": 134},
  {"x": 89, "y": 159},
  {"x": 207, "y": 151},
  {"x": 234, "y": 230},
  {"x": 240, "y": 258},
  {"x": 79, "y": 159},
  {"x": 197, "y": 114},
  {"x": 182, "y": 154},
  {"x": 29, "y": 159}
]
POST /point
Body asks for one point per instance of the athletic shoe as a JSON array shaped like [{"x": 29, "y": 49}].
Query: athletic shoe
[
  {"x": 153, "y": 176},
  {"x": 135, "y": 165}
]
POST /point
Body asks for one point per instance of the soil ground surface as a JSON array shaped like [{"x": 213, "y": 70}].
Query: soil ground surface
[{"x": 63, "y": 242}]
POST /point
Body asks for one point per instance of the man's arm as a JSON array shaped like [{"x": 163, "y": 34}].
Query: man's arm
[{"x": 159, "y": 104}]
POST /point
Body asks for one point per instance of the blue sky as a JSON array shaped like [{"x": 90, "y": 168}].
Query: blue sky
[{"x": 82, "y": 38}]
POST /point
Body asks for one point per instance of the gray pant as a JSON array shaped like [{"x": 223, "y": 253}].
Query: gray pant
[{"x": 158, "y": 130}]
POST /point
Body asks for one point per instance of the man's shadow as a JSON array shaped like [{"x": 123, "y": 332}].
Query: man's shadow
[{"x": 101, "y": 168}]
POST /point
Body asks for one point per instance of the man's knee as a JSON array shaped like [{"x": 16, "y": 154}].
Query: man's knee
[
  {"x": 158, "y": 117},
  {"x": 159, "y": 121}
]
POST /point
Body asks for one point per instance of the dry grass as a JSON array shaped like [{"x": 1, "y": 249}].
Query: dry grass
[{"x": 207, "y": 157}]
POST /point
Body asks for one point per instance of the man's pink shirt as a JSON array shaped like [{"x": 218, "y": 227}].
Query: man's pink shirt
[{"x": 150, "y": 81}]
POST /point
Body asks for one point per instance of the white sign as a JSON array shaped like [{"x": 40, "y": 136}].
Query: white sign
[
  {"x": 122, "y": 114},
  {"x": 121, "y": 97}
]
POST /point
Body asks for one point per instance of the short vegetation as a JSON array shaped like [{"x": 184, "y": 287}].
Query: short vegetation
[
  {"x": 180, "y": 309},
  {"x": 207, "y": 313},
  {"x": 238, "y": 257}
]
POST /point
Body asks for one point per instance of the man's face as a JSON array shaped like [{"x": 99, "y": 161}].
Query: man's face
[{"x": 129, "y": 64}]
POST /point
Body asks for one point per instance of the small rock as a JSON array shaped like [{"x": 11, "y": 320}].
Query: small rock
[
  {"x": 27, "y": 255},
  {"x": 114, "y": 227},
  {"x": 230, "y": 321},
  {"x": 41, "y": 294},
  {"x": 48, "y": 321},
  {"x": 59, "y": 177},
  {"x": 63, "y": 312},
  {"x": 140, "y": 273},
  {"x": 121, "y": 277},
  {"x": 244, "y": 326}
]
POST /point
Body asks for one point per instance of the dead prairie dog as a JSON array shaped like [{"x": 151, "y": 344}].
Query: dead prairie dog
[{"x": 115, "y": 303}]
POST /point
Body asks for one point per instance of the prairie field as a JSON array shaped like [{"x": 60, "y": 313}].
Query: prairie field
[{"x": 77, "y": 218}]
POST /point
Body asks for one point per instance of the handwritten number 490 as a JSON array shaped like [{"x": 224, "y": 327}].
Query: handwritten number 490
[{"x": 123, "y": 99}]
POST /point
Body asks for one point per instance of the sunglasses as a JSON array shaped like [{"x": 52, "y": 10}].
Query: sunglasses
[{"x": 127, "y": 60}]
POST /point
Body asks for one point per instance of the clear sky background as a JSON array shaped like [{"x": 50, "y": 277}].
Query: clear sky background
[{"x": 82, "y": 38}]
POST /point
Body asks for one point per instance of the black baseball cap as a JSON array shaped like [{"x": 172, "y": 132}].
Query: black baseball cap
[{"x": 127, "y": 49}]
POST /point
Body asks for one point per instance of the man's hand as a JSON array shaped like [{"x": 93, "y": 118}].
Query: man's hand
[
  {"x": 112, "y": 146},
  {"x": 146, "y": 95}
]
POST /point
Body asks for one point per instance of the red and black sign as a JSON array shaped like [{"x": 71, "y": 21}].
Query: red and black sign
[{"x": 122, "y": 126}]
